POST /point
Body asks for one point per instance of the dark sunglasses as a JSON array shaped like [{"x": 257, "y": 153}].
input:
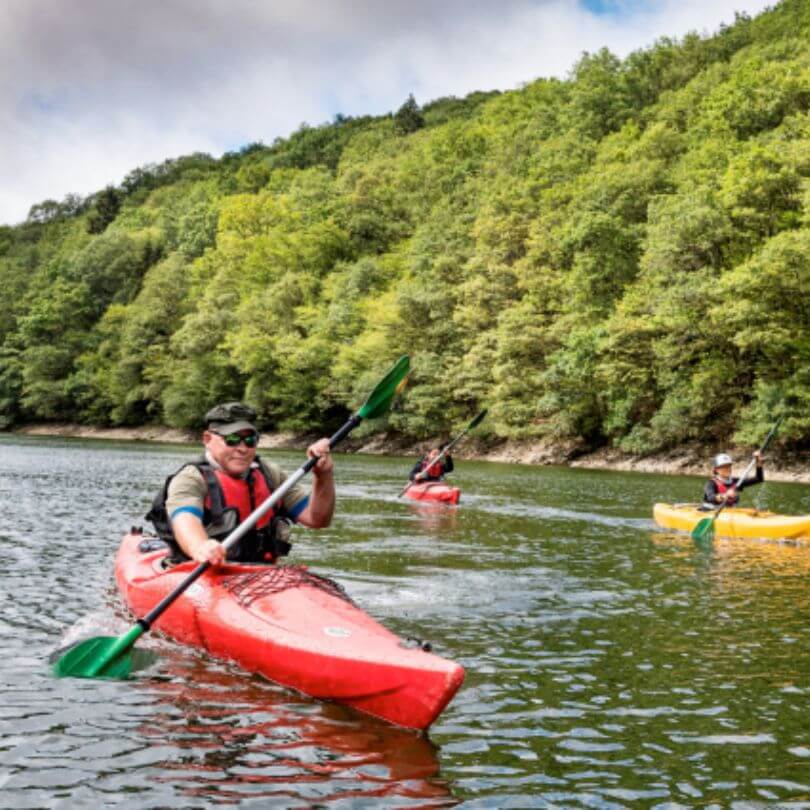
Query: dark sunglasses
[{"x": 233, "y": 439}]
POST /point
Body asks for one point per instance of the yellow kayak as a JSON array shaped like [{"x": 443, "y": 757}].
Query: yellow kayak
[{"x": 734, "y": 522}]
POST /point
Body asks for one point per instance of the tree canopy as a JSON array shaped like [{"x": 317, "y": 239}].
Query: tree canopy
[{"x": 619, "y": 258}]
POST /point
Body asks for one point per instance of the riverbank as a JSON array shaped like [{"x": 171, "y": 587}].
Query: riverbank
[{"x": 686, "y": 460}]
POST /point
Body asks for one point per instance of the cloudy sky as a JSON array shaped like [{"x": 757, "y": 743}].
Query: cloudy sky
[{"x": 90, "y": 89}]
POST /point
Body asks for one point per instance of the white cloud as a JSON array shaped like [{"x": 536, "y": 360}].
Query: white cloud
[{"x": 91, "y": 89}]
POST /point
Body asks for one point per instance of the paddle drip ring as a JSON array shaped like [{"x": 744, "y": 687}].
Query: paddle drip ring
[{"x": 248, "y": 587}]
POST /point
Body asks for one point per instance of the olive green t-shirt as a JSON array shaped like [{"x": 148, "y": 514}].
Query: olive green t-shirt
[{"x": 188, "y": 490}]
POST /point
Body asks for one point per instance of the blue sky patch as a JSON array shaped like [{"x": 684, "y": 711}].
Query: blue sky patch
[{"x": 618, "y": 8}]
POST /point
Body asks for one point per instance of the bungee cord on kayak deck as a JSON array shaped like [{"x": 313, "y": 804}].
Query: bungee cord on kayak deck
[{"x": 248, "y": 587}]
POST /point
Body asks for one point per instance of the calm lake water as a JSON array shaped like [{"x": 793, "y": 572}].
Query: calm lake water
[{"x": 609, "y": 663}]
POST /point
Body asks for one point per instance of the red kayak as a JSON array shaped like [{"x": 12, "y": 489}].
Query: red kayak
[
  {"x": 294, "y": 627},
  {"x": 433, "y": 491}
]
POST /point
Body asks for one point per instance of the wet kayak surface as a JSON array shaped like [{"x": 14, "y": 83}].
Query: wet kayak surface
[{"x": 610, "y": 663}]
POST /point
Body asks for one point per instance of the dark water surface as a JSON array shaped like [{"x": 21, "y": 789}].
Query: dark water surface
[{"x": 609, "y": 663}]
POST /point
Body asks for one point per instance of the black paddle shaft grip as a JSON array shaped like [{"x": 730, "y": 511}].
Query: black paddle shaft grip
[
  {"x": 157, "y": 610},
  {"x": 771, "y": 434}
]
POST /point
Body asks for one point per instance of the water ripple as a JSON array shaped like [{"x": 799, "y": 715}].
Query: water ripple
[{"x": 608, "y": 664}]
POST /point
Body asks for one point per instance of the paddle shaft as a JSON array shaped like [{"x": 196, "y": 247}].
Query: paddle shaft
[{"x": 249, "y": 522}]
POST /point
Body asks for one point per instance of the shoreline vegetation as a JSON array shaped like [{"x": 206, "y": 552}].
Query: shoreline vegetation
[
  {"x": 616, "y": 259},
  {"x": 684, "y": 460}
]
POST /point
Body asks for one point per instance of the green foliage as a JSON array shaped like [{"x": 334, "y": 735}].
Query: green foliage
[
  {"x": 600, "y": 102},
  {"x": 408, "y": 118},
  {"x": 105, "y": 209},
  {"x": 618, "y": 258},
  {"x": 315, "y": 146},
  {"x": 450, "y": 108},
  {"x": 139, "y": 182}
]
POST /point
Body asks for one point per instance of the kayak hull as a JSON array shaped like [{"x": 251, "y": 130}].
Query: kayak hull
[
  {"x": 436, "y": 491},
  {"x": 734, "y": 522},
  {"x": 295, "y": 628}
]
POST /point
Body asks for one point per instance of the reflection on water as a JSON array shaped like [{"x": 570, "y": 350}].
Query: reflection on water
[
  {"x": 434, "y": 518},
  {"x": 239, "y": 737},
  {"x": 609, "y": 664}
]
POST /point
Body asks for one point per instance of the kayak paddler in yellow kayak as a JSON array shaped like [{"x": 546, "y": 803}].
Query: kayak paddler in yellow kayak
[{"x": 723, "y": 488}]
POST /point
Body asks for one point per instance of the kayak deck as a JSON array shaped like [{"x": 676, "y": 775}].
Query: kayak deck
[
  {"x": 296, "y": 628},
  {"x": 734, "y": 522}
]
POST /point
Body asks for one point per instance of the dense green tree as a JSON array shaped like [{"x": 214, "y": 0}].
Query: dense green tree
[
  {"x": 105, "y": 209},
  {"x": 600, "y": 102},
  {"x": 408, "y": 118}
]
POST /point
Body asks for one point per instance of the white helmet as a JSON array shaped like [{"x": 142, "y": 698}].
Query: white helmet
[{"x": 721, "y": 460}]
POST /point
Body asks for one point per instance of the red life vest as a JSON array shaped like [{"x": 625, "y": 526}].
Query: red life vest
[
  {"x": 434, "y": 471},
  {"x": 243, "y": 494},
  {"x": 722, "y": 487},
  {"x": 228, "y": 502}
]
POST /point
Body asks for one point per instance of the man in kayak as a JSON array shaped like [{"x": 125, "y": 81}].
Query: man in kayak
[
  {"x": 207, "y": 498},
  {"x": 722, "y": 487},
  {"x": 429, "y": 469}
]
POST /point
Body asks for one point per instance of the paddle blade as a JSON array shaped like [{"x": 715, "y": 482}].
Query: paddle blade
[
  {"x": 82, "y": 660},
  {"x": 704, "y": 531},
  {"x": 379, "y": 400},
  {"x": 478, "y": 419},
  {"x": 103, "y": 657}
]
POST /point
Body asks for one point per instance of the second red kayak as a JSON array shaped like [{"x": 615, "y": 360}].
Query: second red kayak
[
  {"x": 294, "y": 627},
  {"x": 433, "y": 491}
]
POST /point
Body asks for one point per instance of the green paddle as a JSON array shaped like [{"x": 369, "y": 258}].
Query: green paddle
[
  {"x": 478, "y": 419},
  {"x": 704, "y": 530},
  {"x": 110, "y": 657}
]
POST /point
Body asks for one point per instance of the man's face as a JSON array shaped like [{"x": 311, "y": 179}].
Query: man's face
[
  {"x": 234, "y": 458},
  {"x": 724, "y": 471}
]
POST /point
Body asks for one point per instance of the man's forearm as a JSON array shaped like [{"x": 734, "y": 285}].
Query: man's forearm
[
  {"x": 321, "y": 508},
  {"x": 757, "y": 478},
  {"x": 189, "y": 533}
]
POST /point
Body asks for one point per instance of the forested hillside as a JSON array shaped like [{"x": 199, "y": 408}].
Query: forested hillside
[{"x": 622, "y": 258}]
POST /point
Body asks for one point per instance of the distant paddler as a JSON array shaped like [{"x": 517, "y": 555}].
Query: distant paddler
[
  {"x": 723, "y": 487},
  {"x": 438, "y": 462},
  {"x": 432, "y": 467}
]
